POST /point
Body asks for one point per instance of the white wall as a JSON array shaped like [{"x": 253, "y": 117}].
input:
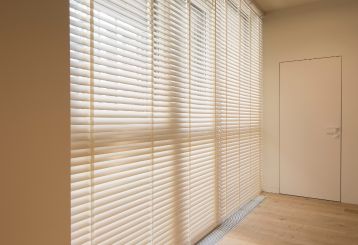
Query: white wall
[
  {"x": 321, "y": 29},
  {"x": 34, "y": 124}
]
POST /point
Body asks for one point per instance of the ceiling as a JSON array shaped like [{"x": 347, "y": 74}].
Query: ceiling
[{"x": 271, "y": 5}]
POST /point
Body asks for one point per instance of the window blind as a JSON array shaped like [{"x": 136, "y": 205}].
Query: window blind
[
  {"x": 165, "y": 118},
  {"x": 221, "y": 102},
  {"x": 171, "y": 122},
  {"x": 233, "y": 106},
  {"x": 203, "y": 197},
  {"x": 250, "y": 103}
]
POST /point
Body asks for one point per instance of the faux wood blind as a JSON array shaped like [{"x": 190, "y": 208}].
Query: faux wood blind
[
  {"x": 203, "y": 197},
  {"x": 165, "y": 117}
]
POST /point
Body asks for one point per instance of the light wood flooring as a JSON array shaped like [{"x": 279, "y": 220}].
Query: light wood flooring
[{"x": 282, "y": 219}]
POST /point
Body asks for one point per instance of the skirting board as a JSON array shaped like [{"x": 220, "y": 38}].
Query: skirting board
[{"x": 230, "y": 223}]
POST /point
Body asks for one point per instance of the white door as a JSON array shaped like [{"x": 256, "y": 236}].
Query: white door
[{"x": 310, "y": 128}]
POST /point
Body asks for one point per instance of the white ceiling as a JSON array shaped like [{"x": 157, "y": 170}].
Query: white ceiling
[{"x": 271, "y": 5}]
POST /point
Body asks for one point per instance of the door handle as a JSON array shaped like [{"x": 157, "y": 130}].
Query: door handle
[{"x": 335, "y": 132}]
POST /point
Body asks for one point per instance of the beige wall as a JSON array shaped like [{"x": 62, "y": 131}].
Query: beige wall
[
  {"x": 321, "y": 29},
  {"x": 34, "y": 126}
]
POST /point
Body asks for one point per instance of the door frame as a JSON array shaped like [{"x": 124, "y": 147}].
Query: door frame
[{"x": 279, "y": 118}]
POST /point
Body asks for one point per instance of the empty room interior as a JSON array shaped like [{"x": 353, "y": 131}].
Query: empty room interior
[{"x": 177, "y": 122}]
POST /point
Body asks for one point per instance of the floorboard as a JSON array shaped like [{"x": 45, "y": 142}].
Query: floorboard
[{"x": 283, "y": 219}]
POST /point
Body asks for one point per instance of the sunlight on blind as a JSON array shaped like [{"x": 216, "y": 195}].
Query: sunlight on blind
[
  {"x": 203, "y": 208},
  {"x": 165, "y": 118}
]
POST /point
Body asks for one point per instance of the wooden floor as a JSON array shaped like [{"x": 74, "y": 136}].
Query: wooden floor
[{"x": 282, "y": 219}]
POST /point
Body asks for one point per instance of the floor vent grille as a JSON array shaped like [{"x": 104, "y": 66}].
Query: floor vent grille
[{"x": 230, "y": 223}]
